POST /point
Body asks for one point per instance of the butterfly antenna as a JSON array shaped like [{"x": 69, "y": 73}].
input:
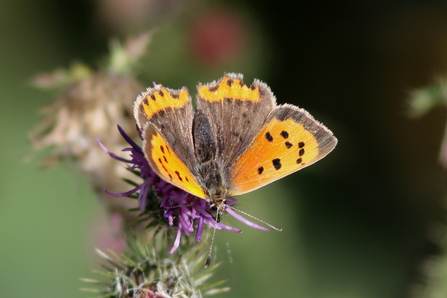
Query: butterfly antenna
[
  {"x": 260, "y": 220},
  {"x": 208, "y": 259}
]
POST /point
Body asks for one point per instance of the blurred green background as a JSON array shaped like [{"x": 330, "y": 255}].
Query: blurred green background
[{"x": 359, "y": 224}]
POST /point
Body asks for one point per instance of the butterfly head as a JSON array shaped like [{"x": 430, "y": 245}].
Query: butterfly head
[{"x": 219, "y": 204}]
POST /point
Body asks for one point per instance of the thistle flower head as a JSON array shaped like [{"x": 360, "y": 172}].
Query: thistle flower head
[{"x": 160, "y": 199}]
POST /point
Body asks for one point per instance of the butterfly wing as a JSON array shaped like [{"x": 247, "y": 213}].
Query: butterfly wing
[
  {"x": 165, "y": 117},
  {"x": 236, "y": 112},
  {"x": 167, "y": 164},
  {"x": 290, "y": 140}
]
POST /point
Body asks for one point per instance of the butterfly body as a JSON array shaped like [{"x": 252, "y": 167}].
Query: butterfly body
[{"x": 236, "y": 140}]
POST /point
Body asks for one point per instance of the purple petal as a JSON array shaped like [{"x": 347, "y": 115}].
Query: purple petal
[
  {"x": 244, "y": 220},
  {"x": 113, "y": 155},
  {"x": 222, "y": 226},
  {"x": 199, "y": 229},
  {"x": 176, "y": 242},
  {"x": 129, "y": 140},
  {"x": 142, "y": 197},
  {"x": 123, "y": 194}
]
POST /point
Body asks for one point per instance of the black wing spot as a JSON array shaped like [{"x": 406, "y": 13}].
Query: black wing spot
[
  {"x": 299, "y": 160},
  {"x": 213, "y": 88},
  {"x": 164, "y": 168},
  {"x": 301, "y": 144},
  {"x": 301, "y": 152},
  {"x": 178, "y": 175},
  {"x": 161, "y": 93},
  {"x": 260, "y": 170},
  {"x": 277, "y": 163},
  {"x": 230, "y": 82},
  {"x": 269, "y": 137},
  {"x": 152, "y": 96},
  {"x": 145, "y": 101},
  {"x": 164, "y": 157},
  {"x": 162, "y": 149},
  {"x": 175, "y": 95},
  {"x": 284, "y": 134},
  {"x": 288, "y": 145}
]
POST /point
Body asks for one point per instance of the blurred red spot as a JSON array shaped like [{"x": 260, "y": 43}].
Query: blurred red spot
[{"x": 218, "y": 36}]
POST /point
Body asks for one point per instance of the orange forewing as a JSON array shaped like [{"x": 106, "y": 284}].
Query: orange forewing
[
  {"x": 280, "y": 148},
  {"x": 166, "y": 164}
]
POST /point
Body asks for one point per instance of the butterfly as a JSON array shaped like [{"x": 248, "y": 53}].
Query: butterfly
[{"x": 235, "y": 141}]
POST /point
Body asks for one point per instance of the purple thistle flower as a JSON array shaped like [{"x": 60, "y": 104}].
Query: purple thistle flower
[{"x": 175, "y": 202}]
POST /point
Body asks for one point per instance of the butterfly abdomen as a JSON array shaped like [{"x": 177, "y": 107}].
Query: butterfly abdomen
[
  {"x": 210, "y": 172},
  {"x": 205, "y": 145}
]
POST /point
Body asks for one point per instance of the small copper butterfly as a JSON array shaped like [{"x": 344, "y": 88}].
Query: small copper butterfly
[{"x": 235, "y": 141}]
